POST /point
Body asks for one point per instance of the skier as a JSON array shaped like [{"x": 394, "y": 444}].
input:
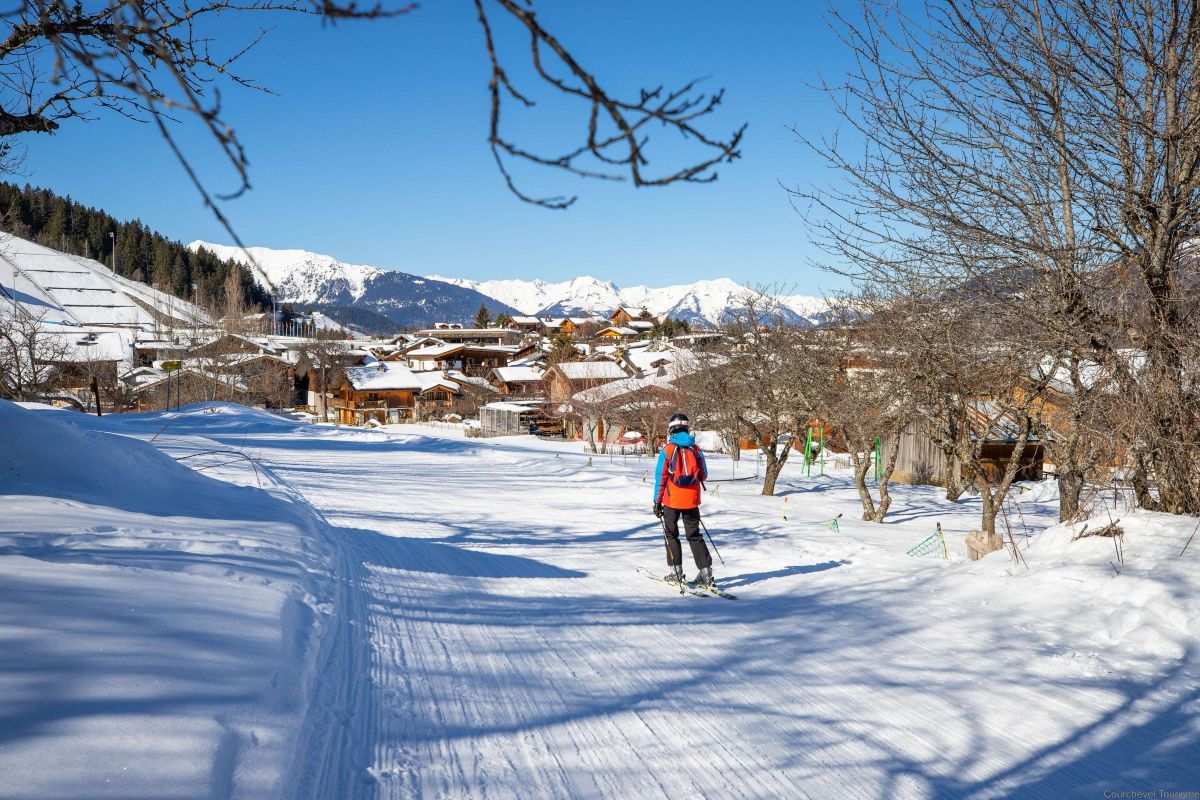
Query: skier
[{"x": 678, "y": 479}]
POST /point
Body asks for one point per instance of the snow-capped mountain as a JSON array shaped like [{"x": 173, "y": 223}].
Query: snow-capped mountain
[
  {"x": 298, "y": 275},
  {"x": 577, "y": 297},
  {"x": 360, "y": 295},
  {"x": 705, "y": 302},
  {"x": 305, "y": 278}
]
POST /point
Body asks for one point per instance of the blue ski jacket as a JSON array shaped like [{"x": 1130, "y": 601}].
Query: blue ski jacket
[{"x": 681, "y": 439}]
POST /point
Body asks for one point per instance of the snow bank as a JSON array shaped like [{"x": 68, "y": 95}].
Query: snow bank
[{"x": 157, "y": 626}]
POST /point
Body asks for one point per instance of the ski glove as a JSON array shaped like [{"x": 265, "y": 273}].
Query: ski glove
[{"x": 658, "y": 510}]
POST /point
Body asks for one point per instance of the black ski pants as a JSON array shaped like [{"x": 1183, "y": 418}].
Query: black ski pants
[{"x": 691, "y": 525}]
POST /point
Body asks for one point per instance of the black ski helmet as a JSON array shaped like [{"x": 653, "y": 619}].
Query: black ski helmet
[{"x": 677, "y": 423}]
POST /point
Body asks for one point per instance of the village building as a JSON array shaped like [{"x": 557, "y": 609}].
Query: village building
[
  {"x": 471, "y": 359},
  {"x": 384, "y": 392},
  {"x": 561, "y": 325},
  {"x": 479, "y": 336},
  {"x": 517, "y": 381},
  {"x": 510, "y": 419},
  {"x": 528, "y": 325},
  {"x": 563, "y": 381},
  {"x": 618, "y": 334},
  {"x": 622, "y": 317}
]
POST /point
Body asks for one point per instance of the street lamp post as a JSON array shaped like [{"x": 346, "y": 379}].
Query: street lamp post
[{"x": 113, "y": 235}]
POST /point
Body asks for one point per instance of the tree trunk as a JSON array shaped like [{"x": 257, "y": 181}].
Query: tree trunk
[
  {"x": 1070, "y": 489},
  {"x": 862, "y": 465},
  {"x": 885, "y": 496}
]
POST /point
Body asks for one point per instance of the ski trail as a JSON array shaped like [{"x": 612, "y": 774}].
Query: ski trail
[{"x": 489, "y": 637}]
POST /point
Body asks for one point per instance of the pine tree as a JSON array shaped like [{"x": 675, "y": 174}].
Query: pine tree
[{"x": 483, "y": 317}]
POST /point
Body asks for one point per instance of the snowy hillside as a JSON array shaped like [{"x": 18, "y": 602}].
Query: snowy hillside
[
  {"x": 395, "y": 299},
  {"x": 61, "y": 288},
  {"x": 341, "y": 632}
]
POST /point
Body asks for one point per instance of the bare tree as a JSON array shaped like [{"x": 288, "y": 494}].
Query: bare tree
[
  {"x": 324, "y": 357},
  {"x": 1045, "y": 159},
  {"x": 860, "y": 391},
  {"x": 157, "y": 61},
  {"x": 30, "y": 358},
  {"x": 757, "y": 376}
]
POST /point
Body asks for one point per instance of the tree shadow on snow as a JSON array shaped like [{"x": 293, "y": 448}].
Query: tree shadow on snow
[{"x": 426, "y": 555}]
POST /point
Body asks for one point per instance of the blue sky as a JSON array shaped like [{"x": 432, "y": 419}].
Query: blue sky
[{"x": 374, "y": 148}]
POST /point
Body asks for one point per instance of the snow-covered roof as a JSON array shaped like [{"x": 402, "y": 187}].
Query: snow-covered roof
[
  {"x": 81, "y": 344},
  {"x": 590, "y": 370},
  {"x": 644, "y": 358},
  {"x": 435, "y": 350},
  {"x": 382, "y": 376},
  {"x": 502, "y": 406},
  {"x": 518, "y": 374},
  {"x": 63, "y": 288},
  {"x": 621, "y": 331},
  {"x": 641, "y": 324},
  {"x": 610, "y": 391},
  {"x": 474, "y": 380},
  {"x": 434, "y": 379},
  {"x": 526, "y": 321}
]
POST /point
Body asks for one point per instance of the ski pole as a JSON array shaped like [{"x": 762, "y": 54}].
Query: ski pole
[
  {"x": 710, "y": 541},
  {"x": 667, "y": 544}
]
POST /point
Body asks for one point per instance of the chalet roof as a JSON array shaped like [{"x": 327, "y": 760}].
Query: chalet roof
[
  {"x": 518, "y": 374},
  {"x": 590, "y": 370},
  {"x": 382, "y": 376},
  {"x": 435, "y": 350},
  {"x": 435, "y": 379},
  {"x": 622, "y": 331},
  {"x": 475, "y": 380},
  {"x": 79, "y": 344},
  {"x": 234, "y": 382},
  {"x": 517, "y": 407},
  {"x": 644, "y": 358},
  {"x": 641, "y": 324},
  {"x": 663, "y": 379},
  {"x": 526, "y": 321}
]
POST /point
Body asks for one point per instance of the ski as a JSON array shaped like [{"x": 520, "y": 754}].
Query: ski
[
  {"x": 713, "y": 590},
  {"x": 682, "y": 589}
]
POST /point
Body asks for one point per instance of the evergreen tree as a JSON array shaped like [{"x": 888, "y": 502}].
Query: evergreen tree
[
  {"x": 62, "y": 224},
  {"x": 483, "y": 317}
]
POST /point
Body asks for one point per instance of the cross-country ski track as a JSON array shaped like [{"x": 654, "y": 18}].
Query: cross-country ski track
[{"x": 481, "y": 631}]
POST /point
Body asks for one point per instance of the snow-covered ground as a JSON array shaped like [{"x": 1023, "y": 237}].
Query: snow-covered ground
[{"x": 252, "y": 607}]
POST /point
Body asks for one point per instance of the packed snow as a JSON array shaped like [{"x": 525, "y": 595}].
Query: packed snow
[{"x": 219, "y": 602}]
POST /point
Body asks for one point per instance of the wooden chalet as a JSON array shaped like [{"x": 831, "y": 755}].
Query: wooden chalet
[
  {"x": 615, "y": 333},
  {"x": 385, "y": 392},
  {"x": 470, "y": 359},
  {"x": 528, "y": 325},
  {"x": 459, "y": 335},
  {"x": 517, "y": 381},
  {"x": 561, "y": 325},
  {"x": 563, "y": 381},
  {"x": 622, "y": 317}
]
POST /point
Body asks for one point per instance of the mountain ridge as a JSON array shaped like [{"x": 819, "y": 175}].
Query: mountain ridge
[{"x": 304, "y": 277}]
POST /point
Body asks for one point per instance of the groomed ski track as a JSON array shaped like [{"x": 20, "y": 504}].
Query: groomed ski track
[
  {"x": 492, "y": 639},
  {"x": 475, "y": 627}
]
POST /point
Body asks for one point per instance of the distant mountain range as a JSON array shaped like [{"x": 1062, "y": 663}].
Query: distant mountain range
[
  {"x": 321, "y": 281},
  {"x": 705, "y": 303}
]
